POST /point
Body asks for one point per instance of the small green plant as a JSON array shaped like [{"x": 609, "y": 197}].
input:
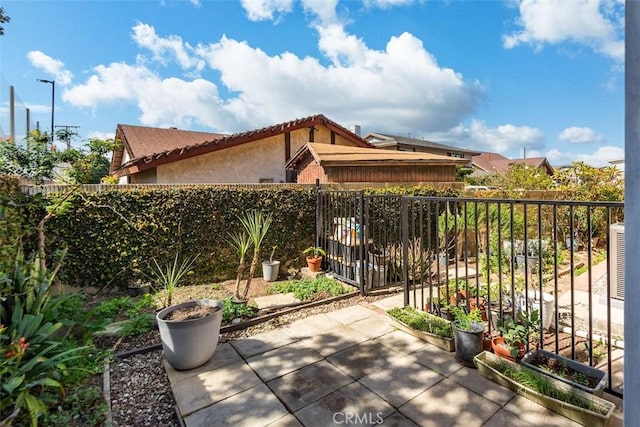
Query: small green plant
[
  {"x": 465, "y": 319},
  {"x": 236, "y": 310},
  {"x": 422, "y": 321},
  {"x": 518, "y": 333},
  {"x": 314, "y": 251},
  {"x": 168, "y": 277},
  {"x": 310, "y": 289},
  {"x": 81, "y": 406}
]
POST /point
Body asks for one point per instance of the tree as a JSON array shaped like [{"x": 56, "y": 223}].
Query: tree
[
  {"x": 522, "y": 177},
  {"x": 89, "y": 167},
  {"x": 35, "y": 160},
  {"x": 4, "y": 19}
]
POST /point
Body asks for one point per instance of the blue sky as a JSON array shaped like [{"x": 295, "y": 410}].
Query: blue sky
[{"x": 495, "y": 76}]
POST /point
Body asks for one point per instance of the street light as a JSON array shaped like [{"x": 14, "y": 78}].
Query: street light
[{"x": 53, "y": 97}]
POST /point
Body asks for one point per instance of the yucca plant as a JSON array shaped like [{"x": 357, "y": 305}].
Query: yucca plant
[
  {"x": 256, "y": 224},
  {"x": 169, "y": 276},
  {"x": 241, "y": 243}
]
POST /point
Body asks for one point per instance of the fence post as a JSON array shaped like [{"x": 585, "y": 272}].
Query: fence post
[
  {"x": 363, "y": 238},
  {"x": 404, "y": 238},
  {"x": 318, "y": 222}
]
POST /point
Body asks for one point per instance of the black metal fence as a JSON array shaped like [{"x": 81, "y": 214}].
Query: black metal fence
[{"x": 502, "y": 256}]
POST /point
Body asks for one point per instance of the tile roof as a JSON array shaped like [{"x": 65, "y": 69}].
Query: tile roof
[
  {"x": 494, "y": 162},
  {"x": 393, "y": 139},
  {"x": 142, "y": 158},
  {"x": 333, "y": 155}
]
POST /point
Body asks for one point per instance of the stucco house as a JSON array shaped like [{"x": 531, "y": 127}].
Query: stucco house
[
  {"x": 491, "y": 163},
  {"x": 172, "y": 156},
  {"x": 350, "y": 164},
  {"x": 403, "y": 143}
]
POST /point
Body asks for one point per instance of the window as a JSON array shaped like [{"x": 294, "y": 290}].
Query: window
[
  {"x": 412, "y": 150},
  {"x": 454, "y": 154},
  {"x": 266, "y": 180}
]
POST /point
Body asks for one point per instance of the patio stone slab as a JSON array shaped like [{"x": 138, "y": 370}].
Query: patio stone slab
[
  {"x": 260, "y": 408},
  {"x": 224, "y": 355},
  {"x": 283, "y": 360},
  {"x": 398, "y": 420},
  {"x": 449, "y": 404},
  {"x": 401, "y": 342},
  {"x": 262, "y": 342},
  {"x": 505, "y": 418},
  {"x": 210, "y": 387},
  {"x": 286, "y": 421},
  {"x": 335, "y": 340},
  {"x": 388, "y": 303},
  {"x": 311, "y": 326},
  {"x": 363, "y": 359},
  {"x": 275, "y": 300},
  {"x": 373, "y": 326},
  {"x": 471, "y": 379},
  {"x": 440, "y": 361},
  {"x": 360, "y": 405},
  {"x": 351, "y": 314},
  {"x": 304, "y": 386},
  {"x": 400, "y": 381},
  {"x": 535, "y": 414}
]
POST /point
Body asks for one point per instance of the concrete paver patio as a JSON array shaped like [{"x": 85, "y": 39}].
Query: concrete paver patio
[{"x": 350, "y": 367}]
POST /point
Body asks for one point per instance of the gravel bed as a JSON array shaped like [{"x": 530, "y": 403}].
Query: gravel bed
[{"x": 139, "y": 387}]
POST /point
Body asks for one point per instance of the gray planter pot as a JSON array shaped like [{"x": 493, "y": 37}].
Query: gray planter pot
[
  {"x": 589, "y": 371},
  {"x": 188, "y": 344},
  {"x": 468, "y": 343},
  {"x": 270, "y": 270}
]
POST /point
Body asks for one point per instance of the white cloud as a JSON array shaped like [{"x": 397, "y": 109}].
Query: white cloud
[
  {"x": 580, "y": 135},
  {"x": 325, "y": 10},
  {"x": 385, "y": 4},
  {"x": 505, "y": 139},
  {"x": 599, "y": 158},
  {"x": 162, "y": 102},
  {"x": 597, "y": 24},
  {"x": 402, "y": 85},
  {"x": 145, "y": 37},
  {"x": 602, "y": 156},
  {"x": 50, "y": 65},
  {"x": 101, "y": 135},
  {"x": 264, "y": 10}
]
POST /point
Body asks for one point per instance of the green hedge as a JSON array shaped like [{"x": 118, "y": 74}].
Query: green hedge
[{"x": 112, "y": 234}]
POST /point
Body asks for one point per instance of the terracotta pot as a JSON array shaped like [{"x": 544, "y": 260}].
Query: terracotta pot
[
  {"x": 502, "y": 349},
  {"x": 314, "y": 263}
]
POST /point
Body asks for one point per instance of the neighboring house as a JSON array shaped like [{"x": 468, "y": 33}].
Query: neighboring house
[
  {"x": 491, "y": 163},
  {"x": 172, "y": 156},
  {"x": 401, "y": 143},
  {"x": 347, "y": 164}
]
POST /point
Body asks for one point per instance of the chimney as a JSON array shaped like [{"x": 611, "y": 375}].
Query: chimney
[{"x": 356, "y": 129}]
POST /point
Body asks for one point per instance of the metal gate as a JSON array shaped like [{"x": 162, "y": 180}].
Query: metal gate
[{"x": 361, "y": 235}]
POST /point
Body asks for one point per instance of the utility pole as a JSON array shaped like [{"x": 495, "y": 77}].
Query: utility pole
[
  {"x": 67, "y": 134},
  {"x": 53, "y": 97}
]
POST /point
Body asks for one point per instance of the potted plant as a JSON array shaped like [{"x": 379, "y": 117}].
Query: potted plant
[
  {"x": 468, "y": 335},
  {"x": 560, "y": 397},
  {"x": 188, "y": 331},
  {"x": 271, "y": 268},
  {"x": 314, "y": 257},
  {"x": 515, "y": 335},
  {"x": 579, "y": 375}
]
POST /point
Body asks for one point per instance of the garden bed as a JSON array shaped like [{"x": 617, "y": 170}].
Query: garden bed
[{"x": 427, "y": 327}]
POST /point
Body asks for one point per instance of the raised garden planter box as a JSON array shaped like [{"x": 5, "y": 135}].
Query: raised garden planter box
[
  {"x": 446, "y": 344},
  {"x": 588, "y": 371},
  {"x": 487, "y": 362}
]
